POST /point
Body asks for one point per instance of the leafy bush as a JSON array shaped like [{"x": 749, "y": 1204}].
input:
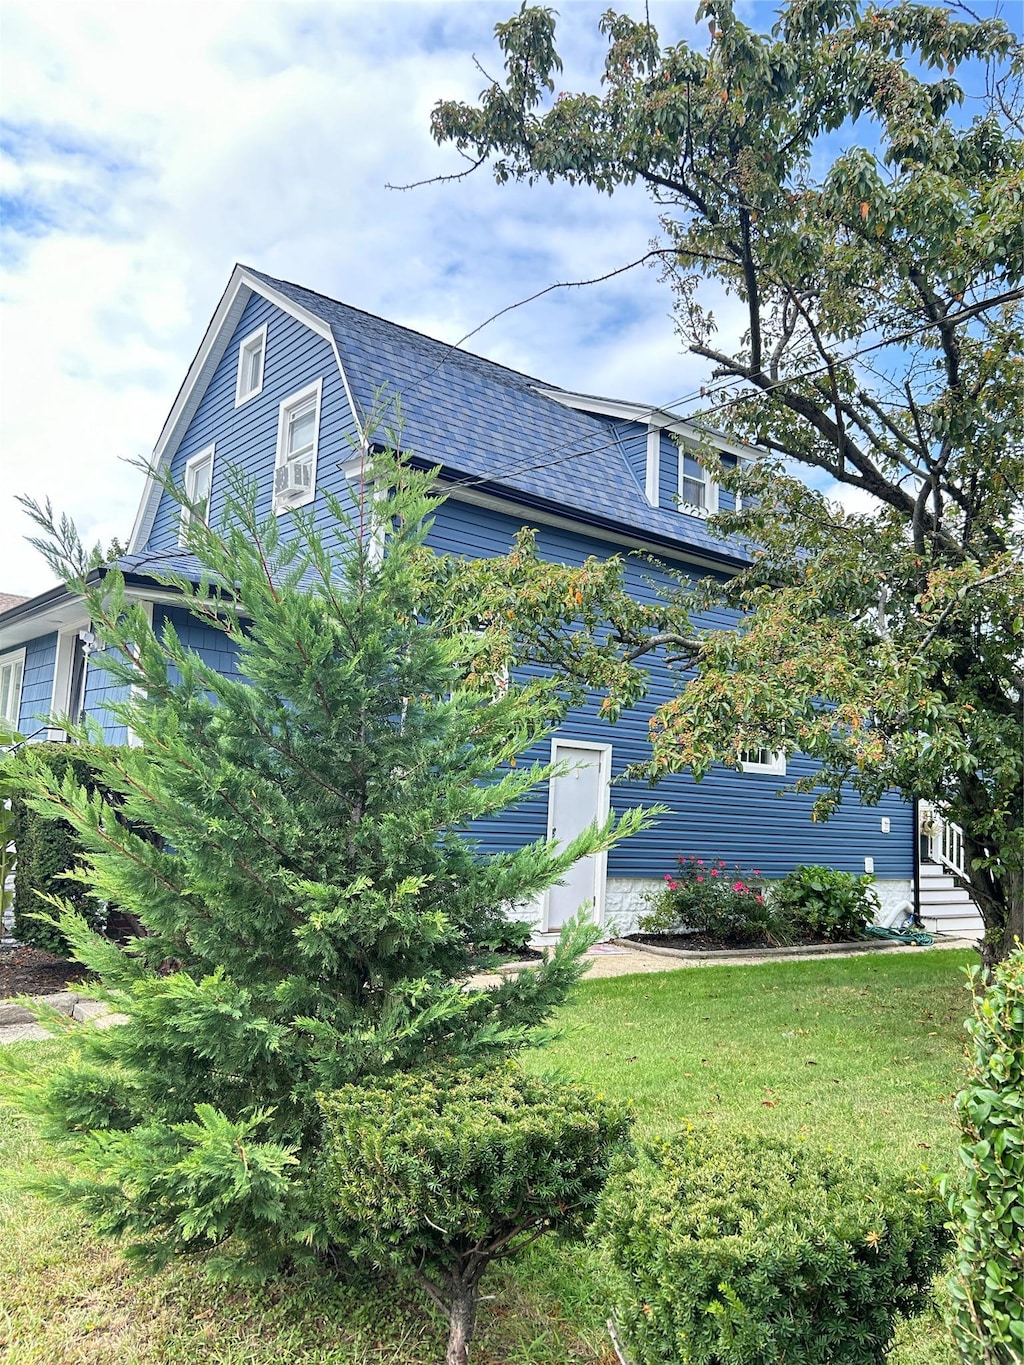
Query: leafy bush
[
  {"x": 440, "y": 1175},
  {"x": 706, "y": 897},
  {"x": 46, "y": 849},
  {"x": 987, "y": 1288},
  {"x": 824, "y": 903},
  {"x": 732, "y": 1249}
]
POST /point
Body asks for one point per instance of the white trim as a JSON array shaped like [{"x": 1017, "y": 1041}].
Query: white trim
[
  {"x": 240, "y": 289},
  {"x": 60, "y": 694},
  {"x": 604, "y": 806},
  {"x": 245, "y": 346},
  {"x": 191, "y": 465},
  {"x": 652, "y": 416},
  {"x": 776, "y": 766},
  {"x": 131, "y": 738},
  {"x": 295, "y": 400},
  {"x": 652, "y": 486},
  {"x": 13, "y": 658}
]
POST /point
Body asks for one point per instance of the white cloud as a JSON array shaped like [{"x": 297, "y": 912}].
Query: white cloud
[{"x": 147, "y": 147}]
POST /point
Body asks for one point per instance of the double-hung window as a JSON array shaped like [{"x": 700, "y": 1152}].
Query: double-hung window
[
  {"x": 12, "y": 673},
  {"x": 198, "y": 486},
  {"x": 298, "y": 433},
  {"x": 696, "y": 487},
  {"x": 252, "y": 355}
]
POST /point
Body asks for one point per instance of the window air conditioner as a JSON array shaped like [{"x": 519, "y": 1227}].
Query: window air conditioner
[{"x": 292, "y": 480}]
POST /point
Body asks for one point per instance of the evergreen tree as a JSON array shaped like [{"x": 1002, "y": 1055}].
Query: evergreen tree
[{"x": 316, "y": 902}]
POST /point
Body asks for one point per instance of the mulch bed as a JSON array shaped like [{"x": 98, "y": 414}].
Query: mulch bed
[
  {"x": 30, "y": 971},
  {"x": 705, "y": 943}
]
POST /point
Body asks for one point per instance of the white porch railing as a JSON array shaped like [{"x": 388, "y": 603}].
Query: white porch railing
[{"x": 945, "y": 840}]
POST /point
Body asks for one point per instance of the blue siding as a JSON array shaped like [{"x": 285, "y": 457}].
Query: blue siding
[
  {"x": 37, "y": 683},
  {"x": 631, "y": 439},
  {"x": 246, "y": 437},
  {"x": 734, "y": 815},
  {"x": 212, "y": 646},
  {"x": 100, "y": 692},
  {"x": 668, "y": 484}
]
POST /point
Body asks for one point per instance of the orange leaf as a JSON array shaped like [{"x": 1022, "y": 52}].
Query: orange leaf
[{"x": 863, "y": 208}]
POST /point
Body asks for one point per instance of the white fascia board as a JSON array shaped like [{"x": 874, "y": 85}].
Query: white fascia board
[
  {"x": 662, "y": 418},
  {"x": 241, "y": 287}
]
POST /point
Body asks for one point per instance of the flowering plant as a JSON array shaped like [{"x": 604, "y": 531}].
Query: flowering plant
[{"x": 705, "y": 896}]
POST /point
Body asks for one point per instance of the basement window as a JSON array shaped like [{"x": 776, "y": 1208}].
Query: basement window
[{"x": 763, "y": 761}]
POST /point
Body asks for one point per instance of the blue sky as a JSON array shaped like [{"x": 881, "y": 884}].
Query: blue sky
[{"x": 147, "y": 147}]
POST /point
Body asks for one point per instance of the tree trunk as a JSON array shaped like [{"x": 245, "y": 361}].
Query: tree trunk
[{"x": 461, "y": 1317}]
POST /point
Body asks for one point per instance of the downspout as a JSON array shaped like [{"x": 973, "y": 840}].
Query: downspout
[{"x": 917, "y": 863}]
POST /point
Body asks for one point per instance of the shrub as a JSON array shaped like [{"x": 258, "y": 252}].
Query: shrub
[
  {"x": 706, "y": 897},
  {"x": 987, "y": 1287},
  {"x": 743, "y": 1250},
  {"x": 47, "y": 849},
  {"x": 824, "y": 903},
  {"x": 440, "y": 1175}
]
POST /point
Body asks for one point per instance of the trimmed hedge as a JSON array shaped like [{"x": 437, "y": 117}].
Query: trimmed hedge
[
  {"x": 439, "y": 1175},
  {"x": 987, "y": 1287},
  {"x": 46, "y": 849},
  {"x": 729, "y": 1249}
]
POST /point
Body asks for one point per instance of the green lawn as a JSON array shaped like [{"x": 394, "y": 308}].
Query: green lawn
[{"x": 861, "y": 1053}]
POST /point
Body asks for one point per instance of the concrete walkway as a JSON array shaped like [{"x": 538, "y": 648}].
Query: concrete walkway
[
  {"x": 18, "y": 1024},
  {"x": 614, "y": 959}
]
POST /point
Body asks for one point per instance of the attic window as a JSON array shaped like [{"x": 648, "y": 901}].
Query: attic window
[
  {"x": 251, "y": 355},
  {"x": 12, "y": 672},
  {"x": 298, "y": 432},
  {"x": 198, "y": 485}
]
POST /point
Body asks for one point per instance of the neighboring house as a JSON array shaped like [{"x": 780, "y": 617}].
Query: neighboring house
[{"x": 280, "y": 389}]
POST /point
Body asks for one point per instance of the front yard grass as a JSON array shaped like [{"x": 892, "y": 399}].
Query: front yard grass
[{"x": 863, "y": 1054}]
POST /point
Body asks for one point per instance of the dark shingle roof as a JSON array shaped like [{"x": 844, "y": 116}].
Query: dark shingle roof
[{"x": 489, "y": 423}]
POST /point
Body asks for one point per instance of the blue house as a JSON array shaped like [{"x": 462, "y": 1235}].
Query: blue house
[{"x": 280, "y": 388}]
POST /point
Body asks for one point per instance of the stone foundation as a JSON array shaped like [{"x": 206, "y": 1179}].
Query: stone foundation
[{"x": 624, "y": 900}]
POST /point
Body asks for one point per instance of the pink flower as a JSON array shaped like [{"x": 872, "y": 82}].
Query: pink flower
[
  {"x": 738, "y": 886},
  {"x": 760, "y": 898},
  {"x": 714, "y": 872},
  {"x": 672, "y": 886},
  {"x": 700, "y": 879},
  {"x": 757, "y": 872},
  {"x": 668, "y": 876},
  {"x": 700, "y": 862}
]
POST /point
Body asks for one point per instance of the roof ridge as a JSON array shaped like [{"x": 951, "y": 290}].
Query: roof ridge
[{"x": 403, "y": 327}]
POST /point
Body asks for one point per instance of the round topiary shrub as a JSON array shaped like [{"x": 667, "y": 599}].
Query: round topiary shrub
[
  {"x": 728, "y": 1249},
  {"x": 439, "y": 1175}
]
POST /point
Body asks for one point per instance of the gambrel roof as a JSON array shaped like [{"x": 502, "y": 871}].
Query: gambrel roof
[{"x": 483, "y": 421}]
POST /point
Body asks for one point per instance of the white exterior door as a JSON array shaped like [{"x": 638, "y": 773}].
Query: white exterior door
[{"x": 575, "y": 800}]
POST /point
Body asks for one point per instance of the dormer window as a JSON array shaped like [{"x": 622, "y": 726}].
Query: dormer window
[
  {"x": 696, "y": 487},
  {"x": 198, "y": 484},
  {"x": 251, "y": 355},
  {"x": 298, "y": 431}
]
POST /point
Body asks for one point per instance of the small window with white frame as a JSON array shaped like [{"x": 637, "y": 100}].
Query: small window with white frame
[
  {"x": 252, "y": 357},
  {"x": 298, "y": 434},
  {"x": 198, "y": 489},
  {"x": 12, "y": 675},
  {"x": 697, "y": 489},
  {"x": 763, "y": 760}
]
